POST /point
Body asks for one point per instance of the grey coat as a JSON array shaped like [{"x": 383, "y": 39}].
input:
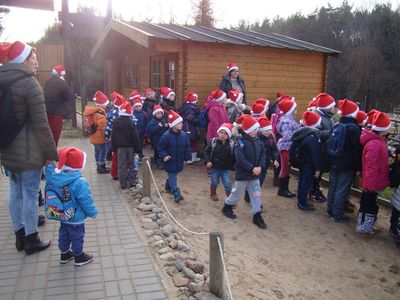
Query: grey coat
[
  {"x": 396, "y": 199},
  {"x": 34, "y": 144}
]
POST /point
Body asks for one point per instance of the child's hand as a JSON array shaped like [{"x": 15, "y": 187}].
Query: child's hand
[
  {"x": 317, "y": 173},
  {"x": 167, "y": 158},
  {"x": 209, "y": 164},
  {"x": 256, "y": 171},
  {"x": 166, "y": 125},
  {"x": 276, "y": 164}
]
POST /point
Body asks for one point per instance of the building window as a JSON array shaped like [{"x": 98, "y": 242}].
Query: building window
[
  {"x": 169, "y": 75},
  {"x": 132, "y": 76},
  {"x": 163, "y": 71}
]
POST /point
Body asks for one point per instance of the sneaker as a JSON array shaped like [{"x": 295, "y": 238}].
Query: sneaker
[
  {"x": 340, "y": 219},
  {"x": 259, "y": 221},
  {"x": 83, "y": 259},
  {"x": 318, "y": 197},
  {"x": 177, "y": 195},
  {"x": 66, "y": 257},
  {"x": 227, "y": 210},
  {"x": 306, "y": 207}
]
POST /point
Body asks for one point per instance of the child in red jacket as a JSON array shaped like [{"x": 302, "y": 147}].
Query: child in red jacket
[{"x": 375, "y": 172}]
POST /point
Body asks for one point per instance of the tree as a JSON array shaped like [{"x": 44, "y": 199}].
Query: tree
[
  {"x": 204, "y": 15},
  {"x": 3, "y": 12}
]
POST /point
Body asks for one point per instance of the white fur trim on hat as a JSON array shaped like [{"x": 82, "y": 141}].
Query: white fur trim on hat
[
  {"x": 122, "y": 112},
  {"x": 221, "y": 97},
  {"x": 352, "y": 115},
  {"x": 226, "y": 129},
  {"x": 23, "y": 56},
  {"x": 233, "y": 68},
  {"x": 268, "y": 127},
  {"x": 328, "y": 107},
  {"x": 66, "y": 168},
  {"x": 377, "y": 128},
  {"x": 158, "y": 110},
  {"x": 170, "y": 94},
  {"x": 292, "y": 108},
  {"x": 177, "y": 120},
  {"x": 252, "y": 128},
  {"x": 137, "y": 104},
  {"x": 102, "y": 104}
]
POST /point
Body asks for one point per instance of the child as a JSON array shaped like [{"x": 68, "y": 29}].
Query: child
[
  {"x": 345, "y": 164},
  {"x": 98, "y": 115},
  {"x": 271, "y": 152},
  {"x": 174, "y": 149},
  {"x": 141, "y": 124},
  {"x": 234, "y": 105},
  {"x": 217, "y": 114},
  {"x": 219, "y": 156},
  {"x": 250, "y": 157},
  {"x": 68, "y": 180},
  {"x": 124, "y": 137},
  {"x": 306, "y": 138},
  {"x": 149, "y": 102},
  {"x": 260, "y": 107},
  {"x": 154, "y": 130},
  {"x": 375, "y": 171},
  {"x": 285, "y": 127},
  {"x": 190, "y": 115},
  {"x": 167, "y": 99}
]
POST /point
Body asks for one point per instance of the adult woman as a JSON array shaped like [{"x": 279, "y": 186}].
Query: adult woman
[
  {"x": 233, "y": 81},
  {"x": 32, "y": 147}
]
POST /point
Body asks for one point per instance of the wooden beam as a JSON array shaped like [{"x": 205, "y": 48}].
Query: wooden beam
[{"x": 37, "y": 4}]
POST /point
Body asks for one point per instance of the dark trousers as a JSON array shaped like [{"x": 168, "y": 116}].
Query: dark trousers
[
  {"x": 394, "y": 220},
  {"x": 368, "y": 203},
  {"x": 55, "y": 123},
  {"x": 71, "y": 237},
  {"x": 305, "y": 182}
]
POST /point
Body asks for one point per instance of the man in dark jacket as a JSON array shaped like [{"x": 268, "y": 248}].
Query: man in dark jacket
[
  {"x": 344, "y": 167},
  {"x": 31, "y": 149},
  {"x": 233, "y": 81},
  {"x": 58, "y": 97}
]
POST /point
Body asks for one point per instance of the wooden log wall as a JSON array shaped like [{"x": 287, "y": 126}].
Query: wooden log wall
[{"x": 48, "y": 56}]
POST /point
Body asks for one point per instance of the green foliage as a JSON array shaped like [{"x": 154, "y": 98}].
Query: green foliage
[
  {"x": 387, "y": 193},
  {"x": 52, "y": 35},
  {"x": 3, "y": 12}
]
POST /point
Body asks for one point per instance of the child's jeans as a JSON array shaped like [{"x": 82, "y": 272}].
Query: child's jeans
[
  {"x": 263, "y": 175},
  {"x": 226, "y": 180},
  {"x": 71, "y": 237},
  {"x": 126, "y": 158},
  {"x": 100, "y": 151},
  {"x": 254, "y": 190},
  {"x": 394, "y": 221},
  {"x": 173, "y": 181},
  {"x": 305, "y": 182}
]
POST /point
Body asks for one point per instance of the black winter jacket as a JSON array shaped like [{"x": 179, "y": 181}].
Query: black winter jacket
[
  {"x": 124, "y": 134},
  {"x": 249, "y": 153},
  {"x": 221, "y": 156},
  {"x": 57, "y": 96},
  {"x": 310, "y": 145},
  {"x": 271, "y": 151},
  {"x": 226, "y": 85}
]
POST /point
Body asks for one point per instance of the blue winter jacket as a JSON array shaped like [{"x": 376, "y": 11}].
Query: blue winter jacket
[
  {"x": 141, "y": 121},
  {"x": 249, "y": 153},
  {"x": 111, "y": 116},
  {"x": 80, "y": 191},
  {"x": 176, "y": 145},
  {"x": 310, "y": 145},
  {"x": 155, "y": 129},
  {"x": 190, "y": 115}
]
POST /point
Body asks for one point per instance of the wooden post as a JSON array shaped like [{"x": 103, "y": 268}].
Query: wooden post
[
  {"x": 146, "y": 177},
  {"x": 216, "y": 266}
]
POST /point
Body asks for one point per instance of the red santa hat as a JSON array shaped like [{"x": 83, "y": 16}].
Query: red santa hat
[
  {"x": 263, "y": 101},
  {"x": 218, "y": 95},
  {"x": 157, "y": 108},
  {"x": 71, "y": 158},
  {"x": 312, "y": 105},
  {"x": 134, "y": 95},
  {"x": 58, "y": 71},
  {"x": 279, "y": 95},
  {"x": 166, "y": 92},
  {"x": 16, "y": 53},
  {"x": 137, "y": 102},
  {"x": 258, "y": 109},
  {"x": 265, "y": 124},
  {"x": 232, "y": 66},
  {"x": 117, "y": 99},
  {"x": 174, "y": 118},
  {"x": 381, "y": 122},
  {"x": 370, "y": 116},
  {"x": 361, "y": 118},
  {"x": 227, "y": 127},
  {"x": 325, "y": 101},
  {"x": 310, "y": 119},
  {"x": 348, "y": 108},
  {"x": 100, "y": 98},
  {"x": 287, "y": 105},
  {"x": 191, "y": 97},
  {"x": 126, "y": 109},
  {"x": 249, "y": 124},
  {"x": 235, "y": 96}
]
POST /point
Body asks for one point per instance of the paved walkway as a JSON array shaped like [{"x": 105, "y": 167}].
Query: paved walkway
[{"x": 122, "y": 268}]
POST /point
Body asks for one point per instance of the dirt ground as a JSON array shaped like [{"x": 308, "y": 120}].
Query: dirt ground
[{"x": 299, "y": 256}]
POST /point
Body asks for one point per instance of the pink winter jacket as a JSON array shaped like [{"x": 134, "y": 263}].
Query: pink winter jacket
[
  {"x": 375, "y": 166},
  {"x": 217, "y": 115}
]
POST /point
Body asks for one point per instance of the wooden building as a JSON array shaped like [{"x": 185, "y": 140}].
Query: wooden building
[{"x": 140, "y": 55}]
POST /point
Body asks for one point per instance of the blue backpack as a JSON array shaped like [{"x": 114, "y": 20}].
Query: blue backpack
[
  {"x": 337, "y": 139},
  {"x": 203, "y": 118},
  {"x": 58, "y": 203}
]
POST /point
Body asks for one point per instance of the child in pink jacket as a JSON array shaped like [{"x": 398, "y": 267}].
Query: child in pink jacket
[
  {"x": 217, "y": 114},
  {"x": 375, "y": 172}
]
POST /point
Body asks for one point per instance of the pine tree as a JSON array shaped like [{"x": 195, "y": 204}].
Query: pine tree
[{"x": 204, "y": 15}]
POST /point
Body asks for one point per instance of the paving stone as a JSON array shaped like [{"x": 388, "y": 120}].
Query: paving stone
[
  {"x": 125, "y": 287},
  {"x": 112, "y": 288}
]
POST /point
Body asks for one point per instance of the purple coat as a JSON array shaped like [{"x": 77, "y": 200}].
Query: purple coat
[
  {"x": 375, "y": 162},
  {"x": 286, "y": 126},
  {"x": 217, "y": 115}
]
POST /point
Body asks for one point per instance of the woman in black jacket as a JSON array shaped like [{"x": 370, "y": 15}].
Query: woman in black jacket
[{"x": 233, "y": 81}]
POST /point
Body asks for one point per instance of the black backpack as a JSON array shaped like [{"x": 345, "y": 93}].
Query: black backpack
[
  {"x": 296, "y": 154},
  {"x": 9, "y": 128}
]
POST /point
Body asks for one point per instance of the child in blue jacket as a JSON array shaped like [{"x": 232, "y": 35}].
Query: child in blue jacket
[
  {"x": 69, "y": 181},
  {"x": 174, "y": 150},
  {"x": 154, "y": 130}
]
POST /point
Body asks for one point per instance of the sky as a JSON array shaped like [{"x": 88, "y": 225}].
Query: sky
[{"x": 29, "y": 25}]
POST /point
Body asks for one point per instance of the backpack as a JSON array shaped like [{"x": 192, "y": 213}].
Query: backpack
[
  {"x": 89, "y": 125},
  {"x": 214, "y": 143},
  {"x": 296, "y": 154},
  {"x": 337, "y": 139},
  {"x": 203, "y": 118},
  {"x": 9, "y": 128},
  {"x": 58, "y": 203}
]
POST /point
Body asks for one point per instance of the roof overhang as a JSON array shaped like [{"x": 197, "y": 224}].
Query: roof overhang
[
  {"x": 37, "y": 4},
  {"x": 135, "y": 34}
]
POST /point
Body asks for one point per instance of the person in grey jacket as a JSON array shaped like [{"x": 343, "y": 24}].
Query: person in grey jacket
[{"x": 24, "y": 158}]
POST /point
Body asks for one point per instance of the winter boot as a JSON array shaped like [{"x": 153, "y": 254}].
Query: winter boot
[
  {"x": 101, "y": 169},
  {"x": 20, "y": 239},
  {"x": 365, "y": 223},
  {"x": 177, "y": 195},
  {"x": 284, "y": 188},
  {"x": 194, "y": 157},
  {"x": 258, "y": 220},
  {"x": 83, "y": 259},
  {"x": 168, "y": 188},
  {"x": 34, "y": 244},
  {"x": 247, "y": 197},
  {"x": 66, "y": 257},
  {"x": 213, "y": 193},
  {"x": 227, "y": 210},
  {"x": 306, "y": 206},
  {"x": 41, "y": 220}
]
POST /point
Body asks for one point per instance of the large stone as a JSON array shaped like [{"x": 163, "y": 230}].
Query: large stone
[
  {"x": 180, "y": 281},
  {"x": 151, "y": 216},
  {"x": 163, "y": 222},
  {"x": 204, "y": 295},
  {"x": 150, "y": 225},
  {"x": 179, "y": 264},
  {"x": 157, "y": 238},
  {"x": 188, "y": 273},
  {"x": 165, "y": 250},
  {"x": 198, "y": 278},
  {"x": 172, "y": 271},
  {"x": 182, "y": 246},
  {"x": 167, "y": 230},
  {"x": 146, "y": 207},
  {"x": 180, "y": 255},
  {"x": 146, "y": 200},
  {"x": 159, "y": 244},
  {"x": 173, "y": 244},
  {"x": 145, "y": 220},
  {"x": 195, "y": 265},
  {"x": 196, "y": 287},
  {"x": 157, "y": 210},
  {"x": 167, "y": 256}
]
